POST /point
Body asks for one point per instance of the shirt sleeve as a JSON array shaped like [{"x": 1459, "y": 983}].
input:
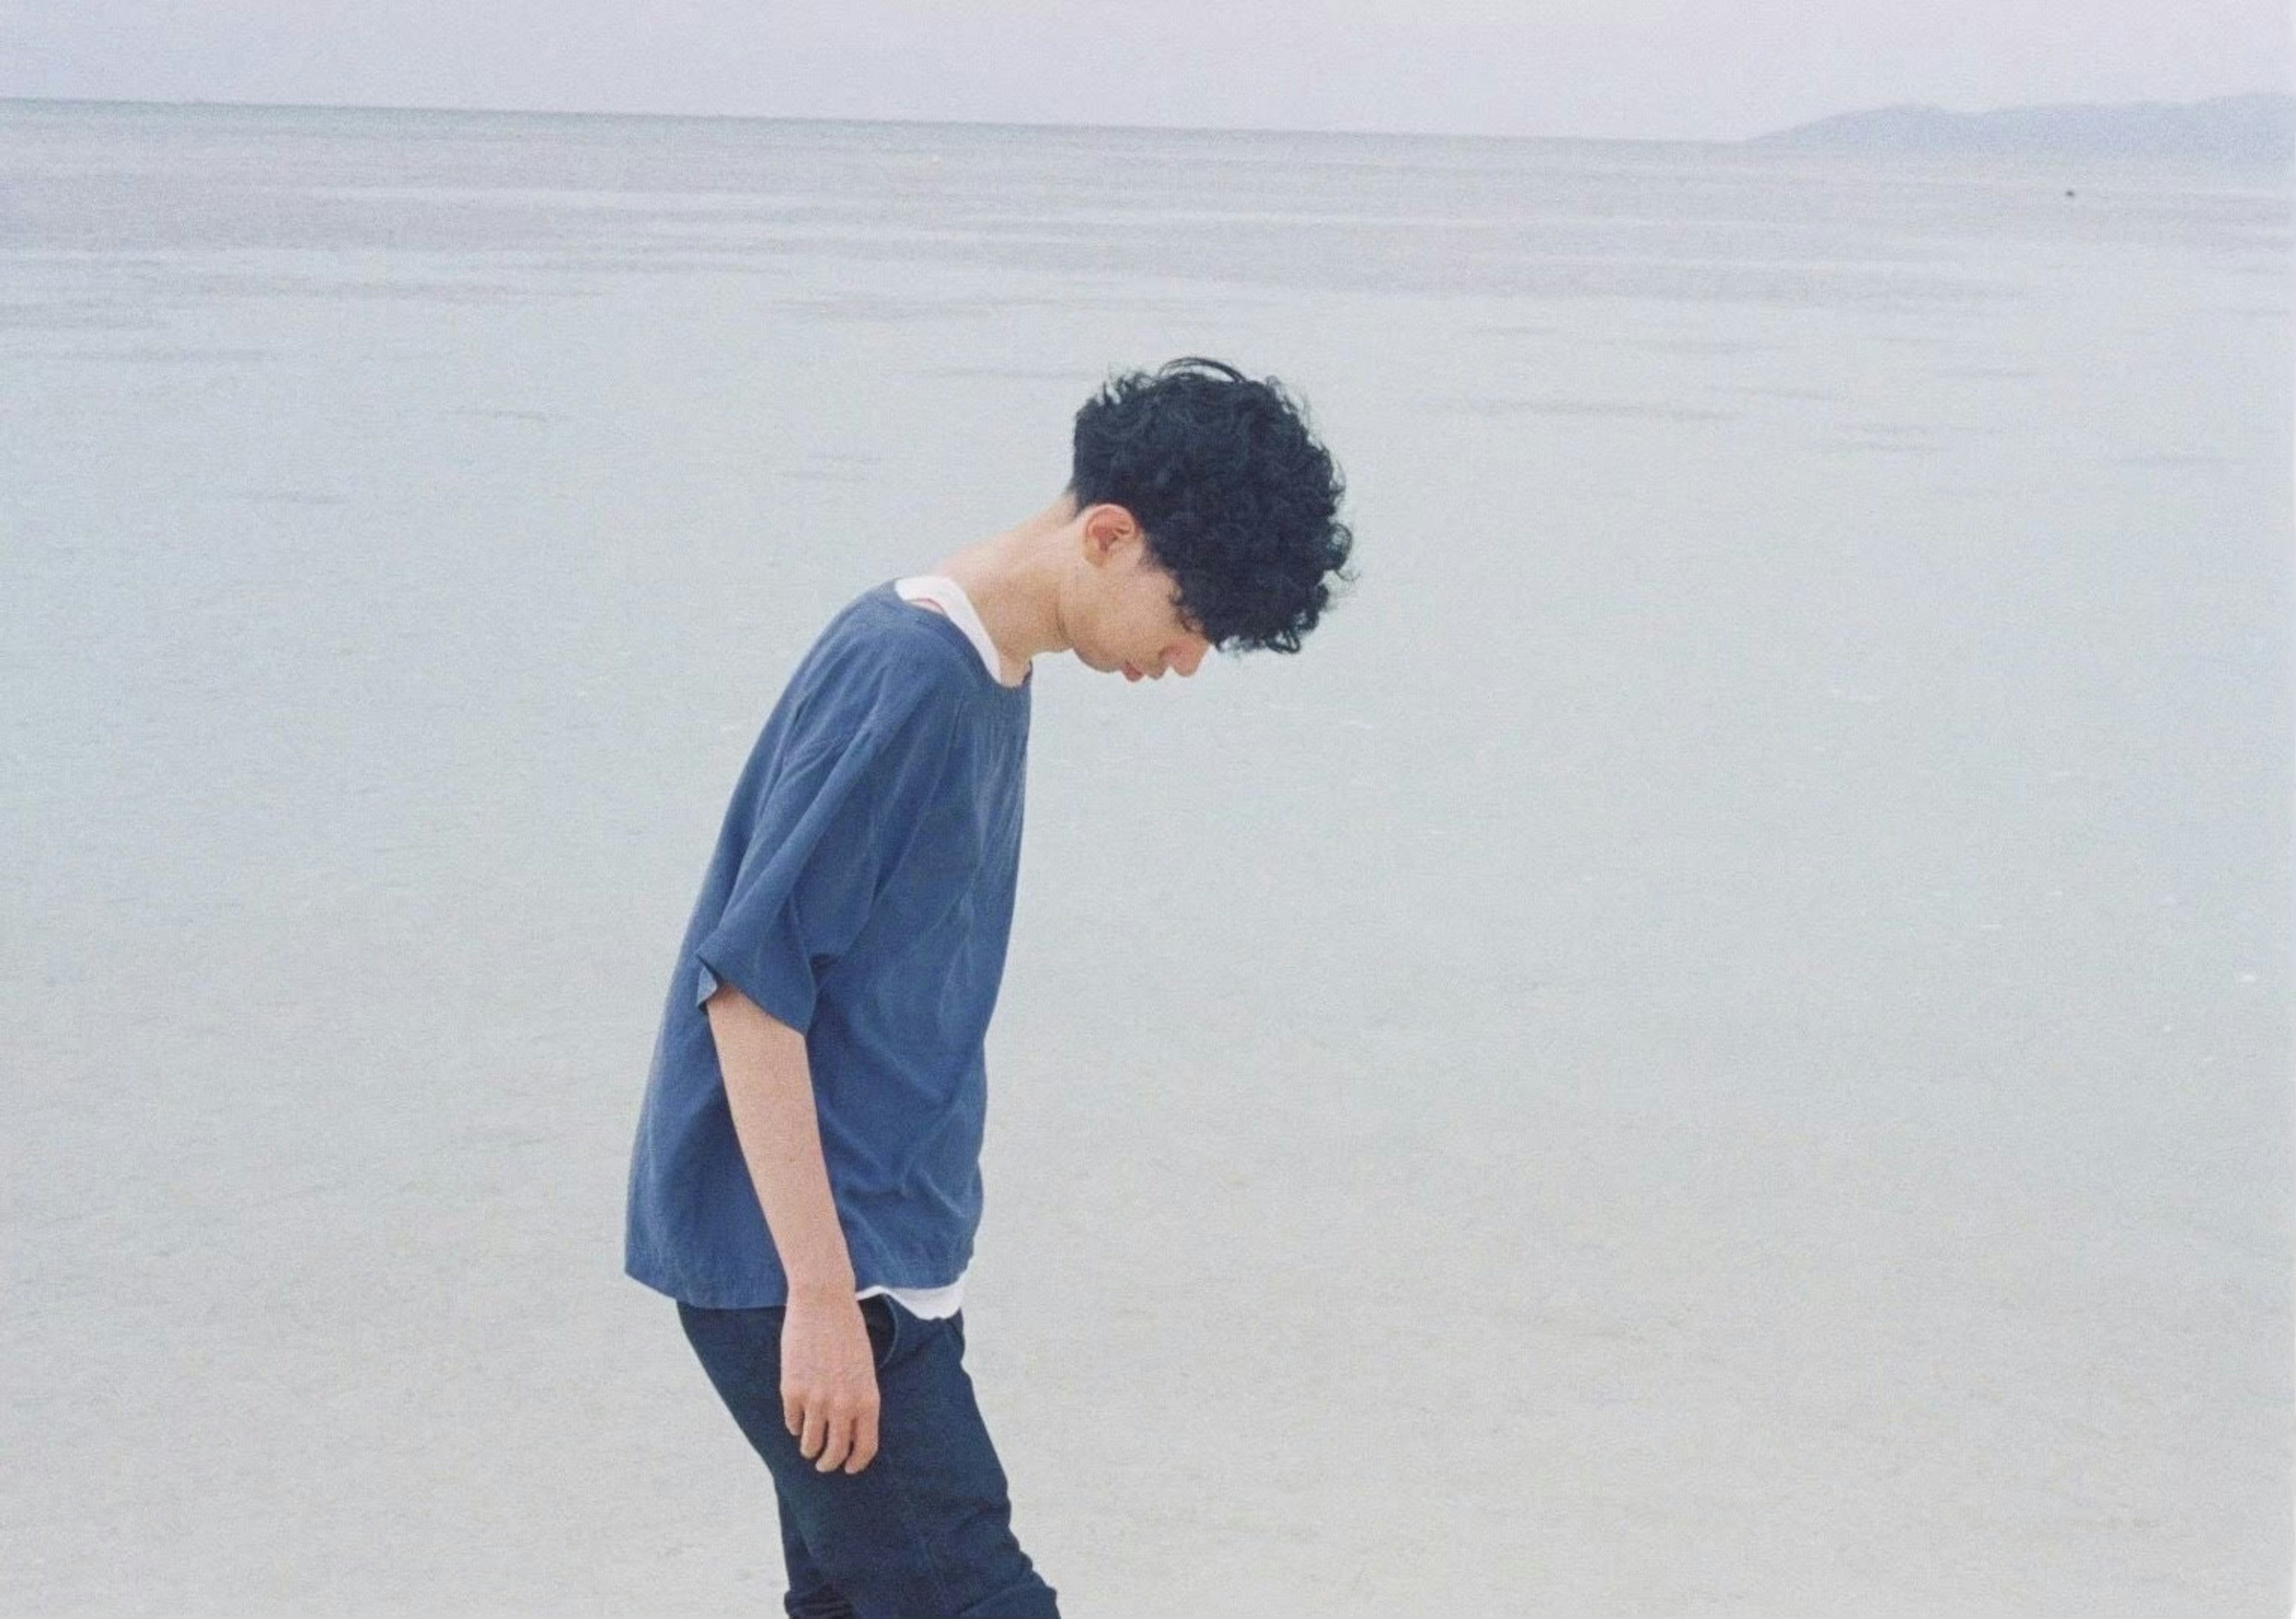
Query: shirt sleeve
[{"x": 824, "y": 828}]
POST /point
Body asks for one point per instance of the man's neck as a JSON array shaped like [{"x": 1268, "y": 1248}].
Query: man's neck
[{"x": 1014, "y": 580}]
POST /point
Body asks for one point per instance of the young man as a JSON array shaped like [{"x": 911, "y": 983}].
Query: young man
[{"x": 806, "y": 1179}]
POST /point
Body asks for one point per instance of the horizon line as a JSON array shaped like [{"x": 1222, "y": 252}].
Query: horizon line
[
  {"x": 890, "y": 123},
  {"x": 1214, "y": 129}
]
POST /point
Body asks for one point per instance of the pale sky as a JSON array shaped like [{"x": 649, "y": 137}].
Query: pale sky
[{"x": 1696, "y": 70}]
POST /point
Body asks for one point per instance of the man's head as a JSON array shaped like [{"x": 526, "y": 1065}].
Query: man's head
[{"x": 1210, "y": 511}]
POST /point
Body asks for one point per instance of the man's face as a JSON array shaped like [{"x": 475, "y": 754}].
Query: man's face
[
  {"x": 1144, "y": 635},
  {"x": 1136, "y": 628}
]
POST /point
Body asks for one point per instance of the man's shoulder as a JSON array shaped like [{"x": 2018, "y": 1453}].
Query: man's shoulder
[
  {"x": 875, "y": 666},
  {"x": 877, "y": 633}
]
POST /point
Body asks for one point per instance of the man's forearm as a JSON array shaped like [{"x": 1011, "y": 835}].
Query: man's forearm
[{"x": 769, "y": 1087}]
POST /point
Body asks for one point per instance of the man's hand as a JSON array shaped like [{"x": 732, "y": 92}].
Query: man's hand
[{"x": 828, "y": 1382}]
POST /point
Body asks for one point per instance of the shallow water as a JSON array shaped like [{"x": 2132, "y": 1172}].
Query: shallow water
[{"x": 1718, "y": 1041}]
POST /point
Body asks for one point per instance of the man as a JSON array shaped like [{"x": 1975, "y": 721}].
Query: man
[{"x": 807, "y": 1181}]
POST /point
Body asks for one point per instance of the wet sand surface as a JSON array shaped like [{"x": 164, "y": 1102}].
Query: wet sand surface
[{"x": 1719, "y": 1042}]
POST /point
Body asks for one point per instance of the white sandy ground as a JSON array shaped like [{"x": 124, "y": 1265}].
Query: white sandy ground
[{"x": 1716, "y": 1045}]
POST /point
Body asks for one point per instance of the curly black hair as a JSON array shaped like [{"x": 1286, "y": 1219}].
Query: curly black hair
[{"x": 1234, "y": 498}]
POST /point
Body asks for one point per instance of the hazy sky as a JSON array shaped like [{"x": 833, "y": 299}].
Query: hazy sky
[{"x": 1689, "y": 68}]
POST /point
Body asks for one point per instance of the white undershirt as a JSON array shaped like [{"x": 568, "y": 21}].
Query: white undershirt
[
  {"x": 949, "y": 596},
  {"x": 936, "y": 1304}
]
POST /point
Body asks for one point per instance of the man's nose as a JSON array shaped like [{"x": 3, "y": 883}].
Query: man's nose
[{"x": 1189, "y": 658}]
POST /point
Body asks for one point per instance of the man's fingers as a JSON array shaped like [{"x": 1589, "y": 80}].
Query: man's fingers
[
  {"x": 817, "y": 1430},
  {"x": 840, "y": 1442},
  {"x": 864, "y": 1442}
]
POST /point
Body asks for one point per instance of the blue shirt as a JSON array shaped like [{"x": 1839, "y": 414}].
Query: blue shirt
[{"x": 862, "y": 892}]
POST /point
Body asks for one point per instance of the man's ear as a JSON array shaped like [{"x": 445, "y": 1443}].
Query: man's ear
[{"x": 1106, "y": 526}]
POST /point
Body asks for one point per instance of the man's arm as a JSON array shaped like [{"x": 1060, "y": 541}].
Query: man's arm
[{"x": 829, "y": 1378}]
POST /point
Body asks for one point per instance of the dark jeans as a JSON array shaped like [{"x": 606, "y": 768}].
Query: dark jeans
[{"x": 924, "y": 1530}]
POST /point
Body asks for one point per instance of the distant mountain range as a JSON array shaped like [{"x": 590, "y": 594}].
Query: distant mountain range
[{"x": 2238, "y": 128}]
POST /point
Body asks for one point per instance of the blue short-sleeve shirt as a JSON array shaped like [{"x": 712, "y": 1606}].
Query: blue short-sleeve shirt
[{"x": 861, "y": 891}]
